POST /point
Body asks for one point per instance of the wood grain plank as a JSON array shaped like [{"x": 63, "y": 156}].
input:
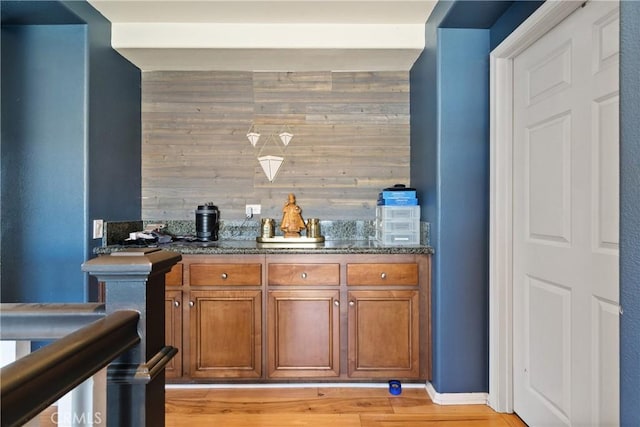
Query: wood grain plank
[
  {"x": 351, "y": 139},
  {"x": 369, "y": 420},
  {"x": 323, "y": 406},
  {"x": 260, "y": 420}
]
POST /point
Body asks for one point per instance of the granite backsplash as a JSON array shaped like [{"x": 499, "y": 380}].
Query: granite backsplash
[{"x": 117, "y": 232}]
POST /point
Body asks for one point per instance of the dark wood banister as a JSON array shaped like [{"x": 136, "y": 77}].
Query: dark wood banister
[
  {"x": 33, "y": 382},
  {"x": 130, "y": 339},
  {"x": 46, "y": 321}
]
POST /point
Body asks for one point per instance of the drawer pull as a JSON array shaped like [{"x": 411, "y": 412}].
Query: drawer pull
[
  {"x": 336, "y": 302},
  {"x": 224, "y": 276},
  {"x": 303, "y": 275},
  {"x": 191, "y": 304},
  {"x": 383, "y": 275},
  {"x": 176, "y": 303},
  {"x": 352, "y": 303}
]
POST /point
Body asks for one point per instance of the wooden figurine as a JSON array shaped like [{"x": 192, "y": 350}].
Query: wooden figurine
[{"x": 292, "y": 222}]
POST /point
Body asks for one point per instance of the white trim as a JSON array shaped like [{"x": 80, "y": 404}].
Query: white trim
[
  {"x": 290, "y": 385},
  {"x": 550, "y": 14},
  {"x": 456, "y": 398}
]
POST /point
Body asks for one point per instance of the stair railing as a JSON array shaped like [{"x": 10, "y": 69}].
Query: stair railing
[{"x": 127, "y": 334}]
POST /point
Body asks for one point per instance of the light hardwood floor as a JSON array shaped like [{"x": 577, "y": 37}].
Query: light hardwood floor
[{"x": 322, "y": 406}]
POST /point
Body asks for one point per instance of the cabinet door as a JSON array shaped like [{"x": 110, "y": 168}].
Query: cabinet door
[
  {"x": 383, "y": 337},
  {"x": 225, "y": 328},
  {"x": 304, "y": 333},
  {"x": 173, "y": 331}
]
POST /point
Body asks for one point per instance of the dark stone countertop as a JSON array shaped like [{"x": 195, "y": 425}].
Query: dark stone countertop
[{"x": 246, "y": 247}]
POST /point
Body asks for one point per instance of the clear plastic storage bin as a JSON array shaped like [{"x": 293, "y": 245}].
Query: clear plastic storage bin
[{"x": 398, "y": 225}]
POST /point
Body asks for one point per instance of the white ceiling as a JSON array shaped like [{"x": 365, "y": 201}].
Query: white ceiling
[{"x": 266, "y": 35}]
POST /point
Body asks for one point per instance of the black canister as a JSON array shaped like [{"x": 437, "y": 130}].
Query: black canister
[{"x": 207, "y": 222}]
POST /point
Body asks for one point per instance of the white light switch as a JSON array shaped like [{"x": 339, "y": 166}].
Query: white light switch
[{"x": 98, "y": 228}]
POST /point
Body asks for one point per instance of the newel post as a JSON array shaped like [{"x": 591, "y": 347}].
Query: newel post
[{"x": 135, "y": 280}]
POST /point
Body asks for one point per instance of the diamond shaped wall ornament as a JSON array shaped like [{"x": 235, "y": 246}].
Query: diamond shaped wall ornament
[
  {"x": 253, "y": 137},
  {"x": 270, "y": 165},
  {"x": 285, "y": 137}
]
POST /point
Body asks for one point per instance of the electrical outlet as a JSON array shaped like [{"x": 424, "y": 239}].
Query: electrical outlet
[
  {"x": 98, "y": 228},
  {"x": 251, "y": 210}
]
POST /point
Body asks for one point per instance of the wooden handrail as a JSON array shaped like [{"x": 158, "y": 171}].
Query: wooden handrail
[
  {"x": 32, "y": 383},
  {"x": 46, "y": 321}
]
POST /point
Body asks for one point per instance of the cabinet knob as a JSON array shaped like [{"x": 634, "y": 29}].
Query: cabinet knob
[
  {"x": 191, "y": 304},
  {"x": 303, "y": 275},
  {"x": 176, "y": 303},
  {"x": 383, "y": 275},
  {"x": 224, "y": 276},
  {"x": 336, "y": 302},
  {"x": 352, "y": 303}
]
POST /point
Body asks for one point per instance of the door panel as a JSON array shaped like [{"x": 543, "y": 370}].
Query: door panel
[
  {"x": 565, "y": 194},
  {"x": 547, "y": 177},
  {"x": 606, "y": 173},
  {"x": 547, "y": 331}
]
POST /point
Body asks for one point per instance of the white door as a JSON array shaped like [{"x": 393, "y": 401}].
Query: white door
[{"x": 565, "y": 222}]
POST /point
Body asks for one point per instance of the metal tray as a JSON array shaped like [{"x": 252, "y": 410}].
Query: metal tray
[{"x": 290, "y": 240}]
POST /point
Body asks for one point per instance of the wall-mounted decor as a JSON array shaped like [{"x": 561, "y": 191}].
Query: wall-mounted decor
[
  {"x": 285, "y": 135},
  {"x": 270, "y": 165},
  {"x": 271, "y": 154},
  {"x": 253, "y": 136},
  {"x": 350, "y": 139}
]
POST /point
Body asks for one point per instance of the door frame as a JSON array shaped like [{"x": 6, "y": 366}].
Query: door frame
[{"x": 547, "y": 16}]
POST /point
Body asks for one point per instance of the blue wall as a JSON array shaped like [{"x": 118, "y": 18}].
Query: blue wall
[
  {"x": 43, "y": 151},
  {"x": 71, "y": 138},
  {"x": 114, "y": 156},
  {"x": 463, "y": 65},
  {"x": 511, "y": 19},
  {"x": 630, "y": 213},
  {"x": 463, "y": 176},
  {"x": 450, "y": 167}
]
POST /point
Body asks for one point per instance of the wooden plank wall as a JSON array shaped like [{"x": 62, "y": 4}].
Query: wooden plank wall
[{"x": 351, "y": 139}]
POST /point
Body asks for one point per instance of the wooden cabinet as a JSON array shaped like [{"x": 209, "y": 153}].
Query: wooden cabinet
[
  {"x": 311, "y": 274},
  {"x": 226, "y": 274},
  {"x": 173, "y": 330},
  {"x": 225, "y": 334},
  {"x": 173, "y": 319},
  {"x": 303, "y": 318},
  {"x": 384, "y": 322},
  {"x": 384, "y": 332},
  {"x": 382, "y": 274},
  {"x": 288, "y": 317},
  {"x": 223, "y": 317},
  {"x": 304, "y": 333}
]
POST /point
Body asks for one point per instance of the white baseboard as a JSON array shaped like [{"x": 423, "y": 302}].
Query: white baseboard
[
  {"x": 456, "y": 398},
  {"x": 290, "y": 385}
]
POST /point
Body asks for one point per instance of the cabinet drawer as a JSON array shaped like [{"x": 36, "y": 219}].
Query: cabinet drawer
[
  {"x": 382, "y": 274},
  {"x": 304, "y": 274},
  {"x": 225, "y": 274},
  {"x": 174, "y": 276}
]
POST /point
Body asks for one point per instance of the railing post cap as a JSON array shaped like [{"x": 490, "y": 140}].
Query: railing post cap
[{"x": 138, "y": 261}]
